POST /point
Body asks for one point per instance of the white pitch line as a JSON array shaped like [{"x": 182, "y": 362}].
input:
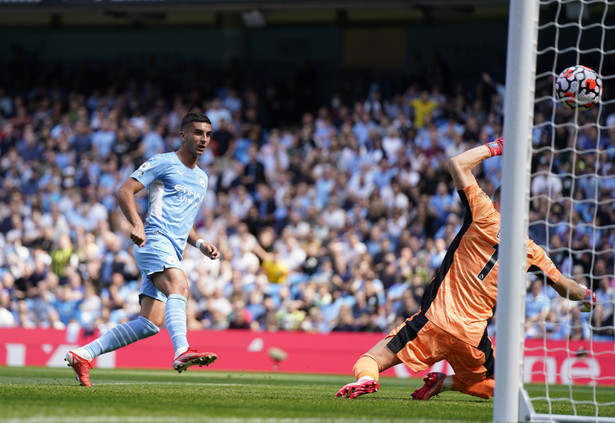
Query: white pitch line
[
  {"x": 164, "y": 383},
  {"x": 172, "y": 419}
]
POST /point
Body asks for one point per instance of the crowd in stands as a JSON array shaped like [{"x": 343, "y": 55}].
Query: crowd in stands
[{"x": 328, "y": 218}]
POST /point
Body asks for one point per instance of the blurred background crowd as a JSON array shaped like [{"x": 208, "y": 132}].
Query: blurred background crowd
[{"x": 330, "y": 215}]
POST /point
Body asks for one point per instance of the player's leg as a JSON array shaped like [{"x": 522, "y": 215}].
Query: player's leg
[
  {"x": 436, "y": 383},
  {"x": 417, "y": 343},
  {"x": 147, "y": 324},
  {"x": 172, "y": 282},
  {"x": 482, "y": 389},
  {"x": 119, "y": 336},
  {"x": 367, "y": 370},
  {"x": 420, "y": 344},
  {"x": 474, "y": 368}
]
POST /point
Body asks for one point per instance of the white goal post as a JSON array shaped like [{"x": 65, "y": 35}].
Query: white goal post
[
  {"x": 511, "y": 400},
  {"x": 518, "y": 116}
]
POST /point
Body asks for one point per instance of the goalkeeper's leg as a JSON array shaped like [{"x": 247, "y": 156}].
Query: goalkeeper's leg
[
  {"x": 474, "y": 367},
  {"x": 367, "y": 371},
  {"x": 483, "y": 389}
]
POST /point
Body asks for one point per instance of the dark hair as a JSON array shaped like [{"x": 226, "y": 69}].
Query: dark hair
[{"x": 192, "y": 117}]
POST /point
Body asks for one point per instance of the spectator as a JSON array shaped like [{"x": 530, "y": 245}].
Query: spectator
[
  {"x": 536, "y": 310},
  {"x": 422, "y": 107},
  {"x": 217, "y": 112},
  {"x": 61, "y": 257},
  {"x": 603, "y": 315},
  {"x": 365, "y": 165},
  {"x": 7, "y": 320},
  {"x": 102, "y": 139}
]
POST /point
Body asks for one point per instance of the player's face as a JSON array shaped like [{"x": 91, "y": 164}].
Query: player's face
[{"x": 197, "y": 138}]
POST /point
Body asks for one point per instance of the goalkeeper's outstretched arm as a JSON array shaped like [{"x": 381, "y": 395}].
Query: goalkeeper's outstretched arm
[
  {"x": 462, "y": 165},
  {"x": 568, "y": 288}
]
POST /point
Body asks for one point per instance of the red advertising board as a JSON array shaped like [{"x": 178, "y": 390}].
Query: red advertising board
[{"x": 333, "y": 353}]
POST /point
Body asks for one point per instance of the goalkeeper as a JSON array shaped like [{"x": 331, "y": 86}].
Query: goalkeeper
[{"x": 451, "y": 322}]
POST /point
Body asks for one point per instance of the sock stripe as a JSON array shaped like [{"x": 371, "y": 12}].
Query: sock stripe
[
  {"x": 122, "y": 332},
  {"x": 134, "y": 336},
  {"x": 130, "y": 334},
  {"x": 178, "y": 297},
  {"x": 92, "y": 351},
  {"x": 122, "y": 335},
  {"x": 178, "y": 318},
  {"x": 113, "y": 333},
  {"x": 175, "y": 319}
]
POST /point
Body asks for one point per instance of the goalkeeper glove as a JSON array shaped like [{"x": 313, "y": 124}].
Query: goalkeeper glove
[
  {"x": 589, "y": 302},
  {"x": 496, "y": 147}
]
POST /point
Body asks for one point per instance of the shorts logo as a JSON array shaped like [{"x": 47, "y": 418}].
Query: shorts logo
[
  {"x": 145, "y": 166},
  {"x": 202, "y": 182},
  {"x": 171, "y": 260}
]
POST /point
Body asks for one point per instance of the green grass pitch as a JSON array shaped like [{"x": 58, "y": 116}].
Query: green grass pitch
[{"x": 51, "y": 395}]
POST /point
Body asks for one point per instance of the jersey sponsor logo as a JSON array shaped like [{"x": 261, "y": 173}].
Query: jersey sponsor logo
[
  {"x": 181, "y": 174},
  {"x": 171, "y": 259},
  {"x": 189, "y": 195}
]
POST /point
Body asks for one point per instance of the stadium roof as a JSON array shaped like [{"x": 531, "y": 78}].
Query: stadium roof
[
  {"x": 243, "y": 4},
  {"x": 249, "y": 12}
]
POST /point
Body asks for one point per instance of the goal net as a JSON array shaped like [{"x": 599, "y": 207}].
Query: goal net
[{"x": 566, "y": 368}]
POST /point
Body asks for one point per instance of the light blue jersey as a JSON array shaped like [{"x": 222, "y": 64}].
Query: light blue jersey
[{"x": 175, "y": 195}]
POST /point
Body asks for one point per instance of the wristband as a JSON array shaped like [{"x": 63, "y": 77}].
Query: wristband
[{"x": 198, "y": 243}]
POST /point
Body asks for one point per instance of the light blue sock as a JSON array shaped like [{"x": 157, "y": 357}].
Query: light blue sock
[
  {"x": 122, "y": 335},
  {"x": 175, "y": 319}
]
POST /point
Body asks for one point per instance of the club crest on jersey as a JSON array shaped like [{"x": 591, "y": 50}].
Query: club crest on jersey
[
  {"x": 171, "y": 260},
  {"x": 202, "y": 182}
]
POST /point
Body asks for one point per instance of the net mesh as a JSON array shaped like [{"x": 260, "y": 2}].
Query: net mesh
[{"x": 569, "y": 355}]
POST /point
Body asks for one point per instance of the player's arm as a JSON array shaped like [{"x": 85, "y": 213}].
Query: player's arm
[
  {"x": 565, "y": 287},
  {"x": 128, "y": 205},
  {"x": 462, "y": 165},
  {"x": 568, "y": 288},
  {"x": 206, "y": 248}
]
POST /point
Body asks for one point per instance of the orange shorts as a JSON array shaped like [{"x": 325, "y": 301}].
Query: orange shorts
[{"x": 432, "y": 344}]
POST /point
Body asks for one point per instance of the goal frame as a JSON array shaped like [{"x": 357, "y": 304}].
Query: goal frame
[
  {"x": 511, "y": 401},
  {"x": 518, "y": 119}
]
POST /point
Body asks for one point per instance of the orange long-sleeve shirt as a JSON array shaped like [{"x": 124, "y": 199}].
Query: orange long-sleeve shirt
[{"x": 462, "y": 296}]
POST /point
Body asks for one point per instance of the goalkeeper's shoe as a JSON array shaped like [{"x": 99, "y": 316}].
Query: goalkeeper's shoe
[
  {"x": 354, "y": 389},
  {"x": 80, "y": 366},
  {"x": 433, "y": 386},
  {"x": 192, "y": 357}
]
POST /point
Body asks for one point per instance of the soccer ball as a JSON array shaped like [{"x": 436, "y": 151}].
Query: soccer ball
[{"x": 578, "y": 87}]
